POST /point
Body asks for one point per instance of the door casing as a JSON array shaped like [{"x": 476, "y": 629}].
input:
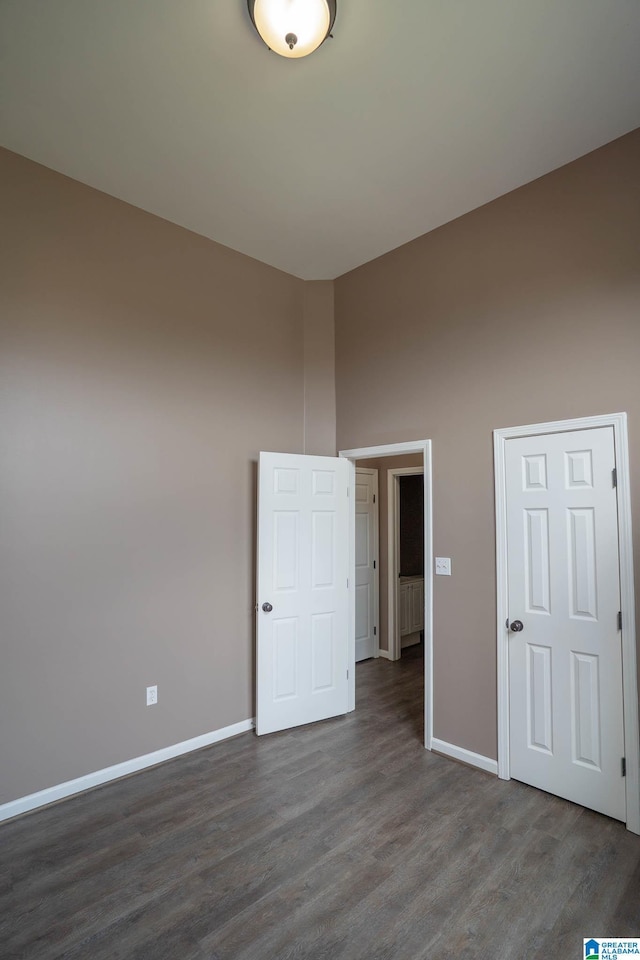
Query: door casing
[
  {"x": 627, "y": 597},
  {"x": 393, "y": 450}
]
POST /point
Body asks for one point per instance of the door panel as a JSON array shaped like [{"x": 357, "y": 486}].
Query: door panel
[
  {"x": 565, "y": 667},
  {"x": 366, "y": 525},
  {"x": 417, "y": 605},
  {"x": 405, "y": 608},
  {"x": 302, "y": 641}
]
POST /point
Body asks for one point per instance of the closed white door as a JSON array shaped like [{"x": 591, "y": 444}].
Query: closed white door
[
  {"x": 565, "y": 656},
  {"x": 366, "y": 563},
  {"x": 302, "y": 594}
]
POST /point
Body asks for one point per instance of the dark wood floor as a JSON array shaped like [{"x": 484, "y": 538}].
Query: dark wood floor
[{"x": 336, "y": 842}]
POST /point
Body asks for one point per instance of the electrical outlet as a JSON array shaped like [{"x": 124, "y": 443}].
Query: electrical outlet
[
  {"x": 152, "y": 695},
  {"x": 443, "y": 566}
]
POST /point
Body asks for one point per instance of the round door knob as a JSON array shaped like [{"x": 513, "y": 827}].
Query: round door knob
[
  {"x": 516, "y": 626},
  {"x": 268, "y": 608}
]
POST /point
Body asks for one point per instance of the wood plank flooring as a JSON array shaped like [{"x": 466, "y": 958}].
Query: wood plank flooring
[{"x": 342, "y": 841}]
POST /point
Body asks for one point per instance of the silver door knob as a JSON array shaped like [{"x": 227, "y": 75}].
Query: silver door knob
[
  {"x": 516, "y": 626},
  {"x": 268, "y": 608}
]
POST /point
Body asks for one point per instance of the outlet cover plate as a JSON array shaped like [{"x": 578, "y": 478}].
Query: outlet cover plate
[
  {"x": 152, "y": 695},
  {"x": 443, "y": 566}
]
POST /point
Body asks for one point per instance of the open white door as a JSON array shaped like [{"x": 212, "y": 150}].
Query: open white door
[
  {"x": 302, "y": 592},
  {"x": 366, "y": 585}
]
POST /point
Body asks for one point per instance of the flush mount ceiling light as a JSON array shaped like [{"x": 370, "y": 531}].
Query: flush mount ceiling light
[{"x": 293, "y": 28}]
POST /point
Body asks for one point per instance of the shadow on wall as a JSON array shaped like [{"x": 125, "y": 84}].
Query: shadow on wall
[{"x": 411, "y": 526}]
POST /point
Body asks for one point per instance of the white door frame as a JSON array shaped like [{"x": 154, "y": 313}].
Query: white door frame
[
  {"x": 373, "y": 472},
  {"x": 393, "y": 552},
  {"x": 393, "y": 450},
  {"x": 627, "y": 598}
]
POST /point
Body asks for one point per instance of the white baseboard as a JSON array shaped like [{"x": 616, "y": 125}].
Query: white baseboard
[
  {"x": 80, "y": 784},
  {"x": 385, "y": 654},
  {"x": 466, "y": 756}
]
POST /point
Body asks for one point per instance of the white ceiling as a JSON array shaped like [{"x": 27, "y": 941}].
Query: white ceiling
[{"x": 415, "y": 113}]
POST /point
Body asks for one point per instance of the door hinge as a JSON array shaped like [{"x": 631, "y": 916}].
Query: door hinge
[
  {"x": 624, "y": 766},
  {"x": 374, "y": 498},
  {"x": 347, "y": 583},
  {"x": 375, "y": 631},
  {"x": 374, "y": 564},
  {"x": 619, "y": 619},
  {"x": 347, "y": 674},
  {"x": 614, "y": 477}
]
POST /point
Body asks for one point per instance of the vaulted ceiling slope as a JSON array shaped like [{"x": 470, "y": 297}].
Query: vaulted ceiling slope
[{"x": 416, "y": 112}]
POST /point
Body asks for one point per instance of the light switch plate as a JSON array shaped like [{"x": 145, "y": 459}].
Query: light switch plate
[{"x": 443, "y": 566}]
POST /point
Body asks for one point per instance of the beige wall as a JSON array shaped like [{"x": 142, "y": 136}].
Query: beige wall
[
  {"x": 383, "y": 465},
  {"x": 142, "y": 368},
  {"x": 319, "y": 369},
  {"x": 525, "y": 310}
]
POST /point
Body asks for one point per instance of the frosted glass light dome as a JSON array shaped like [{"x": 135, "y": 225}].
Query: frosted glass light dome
[{"x": 293, "y": 28}]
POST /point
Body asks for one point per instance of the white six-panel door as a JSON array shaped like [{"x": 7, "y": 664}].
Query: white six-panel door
[
  {"x": 365, "y": 561},
  {"x": 303, "y": 545},
  {"x": 565, "y": 664}
]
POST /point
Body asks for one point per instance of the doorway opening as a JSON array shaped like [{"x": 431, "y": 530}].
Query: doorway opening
[
  {"x": 406, "y": 559},
  {"x": 388, "y": 644}
]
